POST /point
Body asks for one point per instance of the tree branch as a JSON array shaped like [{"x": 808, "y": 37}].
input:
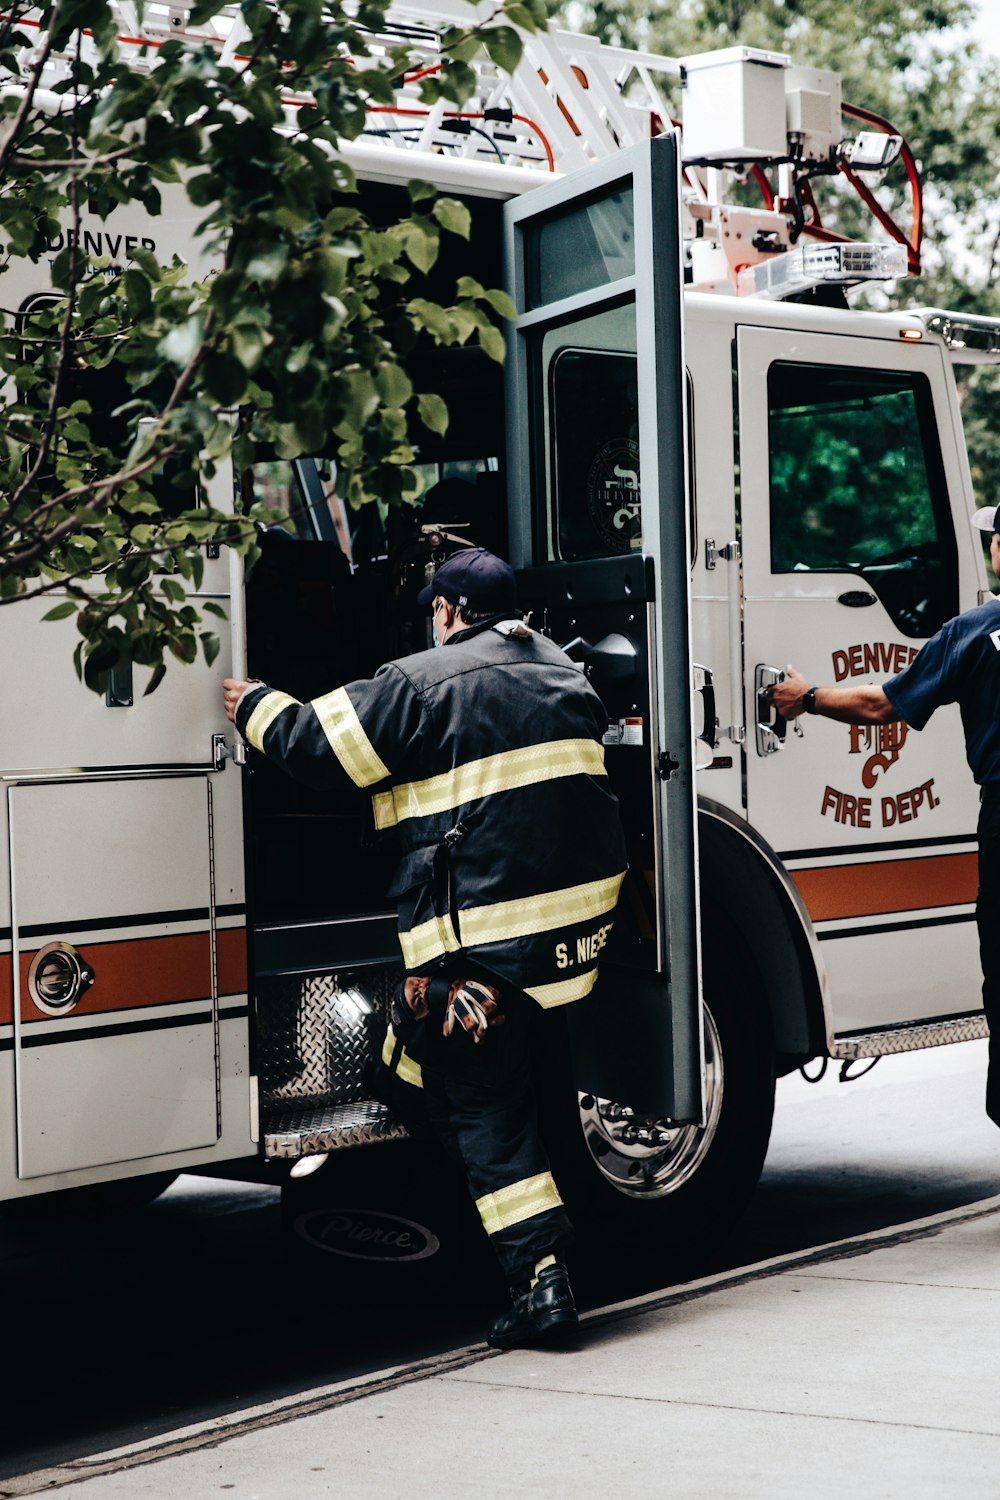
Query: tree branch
[
  {"x": 68, "y": 580},
  {"x": 63, "y": 355},
  {"x": 36, "y": 163},
  {"x": 27, "y": 103}
]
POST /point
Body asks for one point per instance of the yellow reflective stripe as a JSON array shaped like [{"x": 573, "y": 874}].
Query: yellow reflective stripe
[
  {"x": 382, "y": 809},
  {"x": 428, "y": 941},
  {"x": 531, "y": 914},
  {"x": 502, "y": 772},
  {"x": 522, "y": 1200},
  {"x": 406, "y": 1069},
  {"x": 511, "y": 919},
  {"x": 267, "y": 710},
  {"x": 348, "y": 740},
  {"x": 564, "y": 990}
]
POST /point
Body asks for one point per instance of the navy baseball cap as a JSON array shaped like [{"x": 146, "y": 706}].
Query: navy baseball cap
[
  {"x": 987, "y": 519},
  {"x": 473, "y": 577}
]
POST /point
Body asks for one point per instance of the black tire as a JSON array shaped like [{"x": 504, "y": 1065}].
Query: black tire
[{"x": 631, "y": 1236}]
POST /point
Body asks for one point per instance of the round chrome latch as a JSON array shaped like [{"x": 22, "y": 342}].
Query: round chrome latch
[{"x": 58, "y": 977}]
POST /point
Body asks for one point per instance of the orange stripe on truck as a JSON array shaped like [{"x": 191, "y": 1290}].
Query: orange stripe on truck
[
  {"x": 150, "y": 971},
  {"x": 231, "y": 948},
  {"x": 834, "y": 892}
]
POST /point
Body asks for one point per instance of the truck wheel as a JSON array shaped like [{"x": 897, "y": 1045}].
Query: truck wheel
[{"x": 656, "y": 1197}]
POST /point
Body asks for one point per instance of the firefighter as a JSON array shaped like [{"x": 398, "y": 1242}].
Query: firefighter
[
  {"x": 486, "y": 758},
  {"x": 961, "y": 664}
]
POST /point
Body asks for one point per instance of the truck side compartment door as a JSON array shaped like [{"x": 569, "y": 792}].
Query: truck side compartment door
[{"x": 122, "y": 964}]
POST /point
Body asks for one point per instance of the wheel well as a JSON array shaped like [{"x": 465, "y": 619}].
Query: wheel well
[{"x": 740, "y": 889}]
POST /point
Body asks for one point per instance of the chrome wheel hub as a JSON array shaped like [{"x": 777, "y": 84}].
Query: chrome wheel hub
[{"x": 645, "y": 1158}]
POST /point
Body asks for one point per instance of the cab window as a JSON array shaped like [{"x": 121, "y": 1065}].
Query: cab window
[
  {"x": 596, "y": 471},
  {"x": 857, "y": 486}
]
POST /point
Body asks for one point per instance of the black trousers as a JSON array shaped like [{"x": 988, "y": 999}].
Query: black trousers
[
  {"x": 479, "y": 1102},
  {"x": 988, "y": 922}
]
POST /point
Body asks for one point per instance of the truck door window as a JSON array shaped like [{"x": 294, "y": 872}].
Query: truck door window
[
  {"x": 857, "y": 486},
  {"x": 595, "y": 453},
  {"x": 594, "y": 404},
  {"x": 587, "y": 247}
]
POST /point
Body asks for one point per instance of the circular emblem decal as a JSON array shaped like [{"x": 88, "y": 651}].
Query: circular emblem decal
[
  {"x": 364, "y": 1234},
  {"x": 613, "y": 497}
]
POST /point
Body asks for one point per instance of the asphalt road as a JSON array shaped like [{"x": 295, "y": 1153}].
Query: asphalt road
[{"x": 119, "y": 1329}]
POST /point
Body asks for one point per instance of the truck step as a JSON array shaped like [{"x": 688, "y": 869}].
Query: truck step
[{"x": 302, "y": 1132}]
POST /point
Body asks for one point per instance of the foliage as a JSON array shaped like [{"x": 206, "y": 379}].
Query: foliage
[
  {"x": 126, "y": 392},
  {"x": 912, "y": 63}
]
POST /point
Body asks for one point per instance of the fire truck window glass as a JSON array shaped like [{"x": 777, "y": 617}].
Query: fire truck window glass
[
  {"x": 857, "y": 486},
  {"x": 589, "y": 246},
  {"x": 595, "y": 426},
  {"x": 305, "y": 492},
  {"x": 979, "y": 399}
]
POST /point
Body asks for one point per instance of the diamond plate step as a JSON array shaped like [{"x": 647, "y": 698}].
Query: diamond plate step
[{"x": 303, "y": 1132}]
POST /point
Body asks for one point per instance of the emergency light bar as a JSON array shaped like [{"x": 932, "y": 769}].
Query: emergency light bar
[{"x": 808, "y": 266}]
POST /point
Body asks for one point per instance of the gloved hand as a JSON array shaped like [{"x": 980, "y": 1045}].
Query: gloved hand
[
  {"x": 473, "y": 1007},
  {"x": 410, "y": 1002}
]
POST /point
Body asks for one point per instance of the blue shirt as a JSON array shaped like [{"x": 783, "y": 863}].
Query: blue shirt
[{"x": 961, "y": 664}]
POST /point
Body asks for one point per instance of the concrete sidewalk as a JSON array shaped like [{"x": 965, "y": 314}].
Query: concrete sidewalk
[{"x": 868, "y": 1369}]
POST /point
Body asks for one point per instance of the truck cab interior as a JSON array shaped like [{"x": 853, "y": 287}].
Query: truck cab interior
[{"x": 331, "y": 599}]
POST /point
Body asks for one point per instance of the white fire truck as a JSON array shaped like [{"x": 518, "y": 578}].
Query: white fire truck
[{"x": 704, "y": 464}]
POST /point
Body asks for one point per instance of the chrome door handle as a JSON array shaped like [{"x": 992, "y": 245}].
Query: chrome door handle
[
  {"x": 704, "y": 745},
  {"x": 771, "y": 727}
]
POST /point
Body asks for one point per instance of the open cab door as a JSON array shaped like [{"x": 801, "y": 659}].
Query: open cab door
[{"x": 595, "y": 378}]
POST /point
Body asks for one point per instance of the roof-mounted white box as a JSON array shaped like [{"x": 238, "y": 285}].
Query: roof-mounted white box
[
  {"x": 734, "y": 105},
  {"x": 813, "y": 100}
]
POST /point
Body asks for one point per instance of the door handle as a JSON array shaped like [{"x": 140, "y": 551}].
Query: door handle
[
  {"x": 704, "y": 745},
  {"x": 771, "y": 727},
  {"x": 222, "y": 751}
]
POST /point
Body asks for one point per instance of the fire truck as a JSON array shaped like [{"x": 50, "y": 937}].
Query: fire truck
[{"x": 703, "y": 463}]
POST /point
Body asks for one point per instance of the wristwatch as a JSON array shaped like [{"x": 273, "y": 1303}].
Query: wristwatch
[{"x": 809, "y": 701}]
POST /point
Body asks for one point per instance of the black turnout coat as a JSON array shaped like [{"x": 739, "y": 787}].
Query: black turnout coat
[{"x": 486, "y": 756}]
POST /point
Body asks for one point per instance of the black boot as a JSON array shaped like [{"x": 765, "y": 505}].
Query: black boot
[{"x": 545, "y": 1314}]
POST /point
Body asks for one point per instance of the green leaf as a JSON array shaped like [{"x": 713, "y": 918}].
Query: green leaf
[
  {"x": 210, "y": 645},
  {"x": 453, "y": 216},
  {"x": 433, "y": 318},
  {"x": 421, "y": 241},
  {"x": 139, "y": 294},
  {"x": 504, "y": 46},
  {"x": 501, "y": 303},
  {"x": 225, "y": 378},
  {"x": 159, "y": 671},
  {"x": 181, "y": 343},
  {"x": 492, "y": 342},
  {"x": 393, "y": 385},
  {"x": 433, "y": 413},
  {"x": 62, "y": 611}
]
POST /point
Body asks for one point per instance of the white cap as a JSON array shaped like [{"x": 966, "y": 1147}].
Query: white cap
[{"x": 987, "y": 519}]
